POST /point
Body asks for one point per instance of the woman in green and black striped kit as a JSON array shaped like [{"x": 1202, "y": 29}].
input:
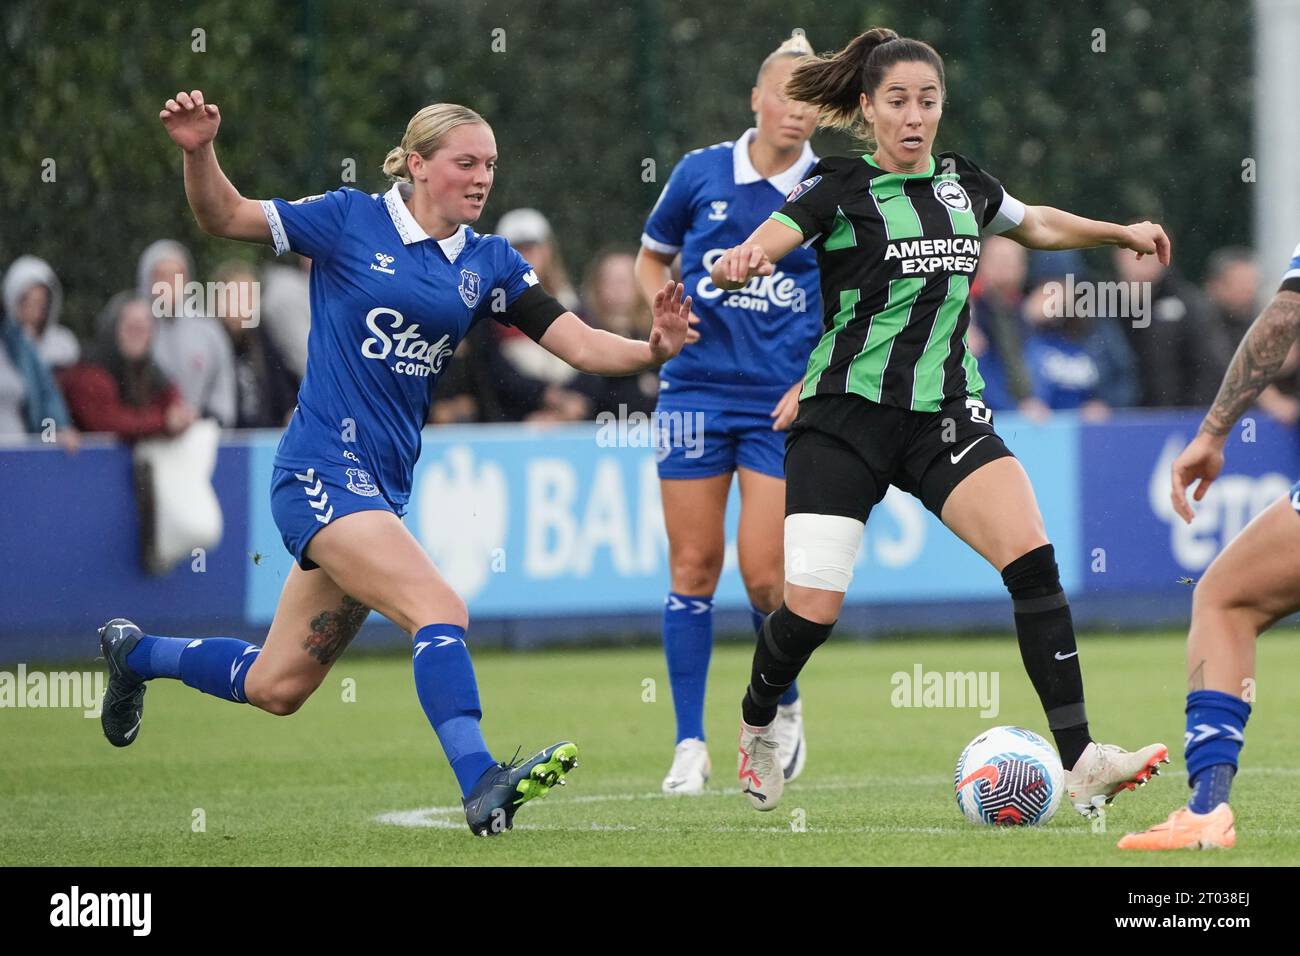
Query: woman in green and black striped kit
[{"x": 892, "y": 394}]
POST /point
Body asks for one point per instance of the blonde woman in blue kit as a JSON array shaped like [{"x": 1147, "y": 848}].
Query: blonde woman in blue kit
[{"x": 740, "y": 375}]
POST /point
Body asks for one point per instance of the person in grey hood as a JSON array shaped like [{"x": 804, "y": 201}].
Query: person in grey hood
[
  {"x": 30, "y": 400},
  {"x": 189, "y": 346},
  {"x": 33, "y": 297}
]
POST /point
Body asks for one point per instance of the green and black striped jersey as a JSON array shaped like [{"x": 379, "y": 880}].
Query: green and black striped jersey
[{"x": 897, "y": 253}]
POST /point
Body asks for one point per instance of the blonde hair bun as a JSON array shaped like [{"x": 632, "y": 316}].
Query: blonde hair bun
[
  {"x": 425, "y": 134},
  {"x": 796, "y": 45}
]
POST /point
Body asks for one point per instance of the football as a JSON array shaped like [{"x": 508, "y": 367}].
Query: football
[{"x": 1009, "y": 776}]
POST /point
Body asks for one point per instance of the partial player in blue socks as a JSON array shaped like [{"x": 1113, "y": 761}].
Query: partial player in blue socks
[
  {"x": 1216, "y": 728},
  {"x": 448, "y": 692},
  {"x": 688, "y": 646}
]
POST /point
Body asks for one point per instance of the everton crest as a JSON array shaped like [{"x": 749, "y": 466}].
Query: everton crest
[
  {"x": 359, "y": 483},
  {"x": 469, "y": 287}
]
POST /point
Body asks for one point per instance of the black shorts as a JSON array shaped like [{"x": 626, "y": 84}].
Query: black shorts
[{"x": 844, "y": 451}]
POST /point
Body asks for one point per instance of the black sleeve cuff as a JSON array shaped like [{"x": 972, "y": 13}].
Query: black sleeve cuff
[
  {"x": 533, "y": 312},
  {"x": 1290, "y": 285}
]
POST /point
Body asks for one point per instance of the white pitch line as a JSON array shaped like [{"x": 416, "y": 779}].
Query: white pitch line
[{"x": 452, "y": 818}]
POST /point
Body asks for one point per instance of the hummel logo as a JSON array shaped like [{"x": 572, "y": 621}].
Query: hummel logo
[
  {"x": 697, "y": 606},
  {"x": 312, "y": 492},
  {"x": 236, "y": 666},
  {"x": 957, "y": 458},
  {"x": 442, "y": 639},
  {"x": 384, "y": 262},
  {"x": 1065, "y": 657}
]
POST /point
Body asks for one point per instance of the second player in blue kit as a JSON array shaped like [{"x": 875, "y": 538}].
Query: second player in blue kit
[{"x": 725, "y": 401}]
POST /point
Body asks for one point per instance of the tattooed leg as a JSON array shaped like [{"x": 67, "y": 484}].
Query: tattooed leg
[
  {"x": 304, "y": 641},
  {"x": 332, "y": 631},
  {"x": 1251, "y": 585}
]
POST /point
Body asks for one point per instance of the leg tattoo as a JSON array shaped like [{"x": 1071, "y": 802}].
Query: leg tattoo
[{"x": 332, "y": 631}]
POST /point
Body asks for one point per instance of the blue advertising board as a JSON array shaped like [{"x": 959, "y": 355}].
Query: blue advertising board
[
  {"x": 1132, "y": 540},
  {"x": 553, "y": 521},
  {"x": 534, "y": 524}
]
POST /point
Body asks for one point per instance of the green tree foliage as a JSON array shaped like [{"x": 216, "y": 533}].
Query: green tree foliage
[{"x": 581, "y": 95}]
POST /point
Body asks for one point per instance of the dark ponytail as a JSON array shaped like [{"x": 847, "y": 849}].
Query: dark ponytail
[{"x": 834, "y": 84}]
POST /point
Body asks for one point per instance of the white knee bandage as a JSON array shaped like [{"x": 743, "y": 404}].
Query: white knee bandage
[{"x": 820, "y": 550}]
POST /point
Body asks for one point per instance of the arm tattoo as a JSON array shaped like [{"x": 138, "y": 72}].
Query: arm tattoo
[
  {"x": 1197, "y": 680},
  {"x": 1257, "y": 361},
  {"x": 332, "y": 631}
]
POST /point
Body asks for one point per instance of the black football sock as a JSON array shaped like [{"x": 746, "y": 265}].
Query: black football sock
[
  {"x": 1048, "y": 649},
  {"x": 784, "y": 645}
]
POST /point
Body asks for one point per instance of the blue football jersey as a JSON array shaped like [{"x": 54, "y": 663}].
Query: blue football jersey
[
  {"x": 754, "y": 342},
  {"x": 389, "y": 305}
]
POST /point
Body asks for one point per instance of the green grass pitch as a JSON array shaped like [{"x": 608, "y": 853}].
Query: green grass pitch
[{"x": 364, "y": 782}]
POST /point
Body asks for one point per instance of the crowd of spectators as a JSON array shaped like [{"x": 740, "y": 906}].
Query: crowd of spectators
[{"x": 1048, "y": 334}]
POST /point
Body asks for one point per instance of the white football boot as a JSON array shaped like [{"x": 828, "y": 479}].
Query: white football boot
[
  {"x": 790, "y": 742},
  {"x": 1103, "y": 770},
  {"x": 690, "y": 770},
  {"x": 761, "y": 778}
]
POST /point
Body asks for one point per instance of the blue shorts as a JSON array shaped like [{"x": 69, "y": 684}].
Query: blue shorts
[
  {"x": 703, "y": 443},
  {"x": 303, "y": 502}
]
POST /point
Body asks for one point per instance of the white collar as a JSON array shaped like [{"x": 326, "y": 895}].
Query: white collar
[
  {"x": 411, "y": 231},
  {"x": 785, "y": 181}
]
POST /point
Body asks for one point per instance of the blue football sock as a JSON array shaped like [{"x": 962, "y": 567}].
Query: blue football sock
[
  {"x": 157, "y": 656},
  {"x": 1211, "y": 787},
  {"x": 215, "y": 665},
  {"x": 688, "y": 645},
  {"x": 792, "y": 692},
  {"x": 1216, "y": 728},
  {"x": 448, "y": 692}
]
